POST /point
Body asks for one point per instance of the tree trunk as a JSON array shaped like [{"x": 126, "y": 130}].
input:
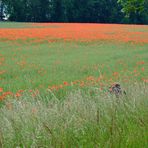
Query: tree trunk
[{"x": 1, "y": 10}]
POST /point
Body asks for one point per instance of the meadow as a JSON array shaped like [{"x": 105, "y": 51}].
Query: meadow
[{"x": 54, "y": 81}]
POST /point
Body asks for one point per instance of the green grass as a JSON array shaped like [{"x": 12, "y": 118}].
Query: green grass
[
  {"x": 13, "y": 25},
  {"x": 73, "y": 116},
  {"x": 81, "y": 120},
  {"x": 30, "y": 66}
]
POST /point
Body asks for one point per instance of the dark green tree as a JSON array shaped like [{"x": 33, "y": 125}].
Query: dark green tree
[
  {"x": 28, "y": 10},
  {"x": 57, "y": 11},
  {"x": 134, "y": 10},
  {"x": 39, "y": 10},
  {"x": 1, "y": 10},
  {"x": 93, "y": 11},
  {"x": 99, "y": 11}
]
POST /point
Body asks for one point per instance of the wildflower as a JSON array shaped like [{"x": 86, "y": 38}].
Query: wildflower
[
  {"x": 1, "y": 89},
  {"x": 142, "y": 69},
  {"x": 35, "y": 93},
  {"x": 2, "y": 72},
  {"x": 140, "y": 63},
  {"x": 61, "y": 86},
  {"x": 1, "y": 98},
  {"x": 82, "y": 84},
  {"x": 18, "y": 94},
  {"x": 30, "y": 91},
  {"x": 65, "y": 83},
  {"x": 20, "y": 91},
  {"x": 145, "y": 80},
  {"x": 115, "y": 74},
  {"x": 98, "y": 79},
  {"x": 68, "y": 32},
  {"x": 54, "y": 87},
  {"x": 8, "y": 93},
  {"x": 90, "y": 78}
]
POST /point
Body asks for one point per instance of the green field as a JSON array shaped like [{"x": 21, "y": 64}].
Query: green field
[
  {"x": 82, "y": 114},
  {"x": 33, "y": 66}
]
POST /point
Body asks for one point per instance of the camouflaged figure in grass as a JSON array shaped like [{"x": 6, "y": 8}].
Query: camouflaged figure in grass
[{"x": 117, "y": 90}]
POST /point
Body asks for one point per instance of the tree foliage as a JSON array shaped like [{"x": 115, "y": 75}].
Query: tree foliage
[
  {"x": 135, "y": 10},
  {"x": 100, "y": 11},
  {"x": 1, "y": 9}
]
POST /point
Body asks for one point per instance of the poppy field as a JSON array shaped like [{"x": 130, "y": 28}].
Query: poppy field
[
  {"x": 59, "y": 56},
  {"x": 65, "y": 69}
]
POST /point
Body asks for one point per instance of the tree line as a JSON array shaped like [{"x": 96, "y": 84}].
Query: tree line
[{"x": 89, "y": 11}]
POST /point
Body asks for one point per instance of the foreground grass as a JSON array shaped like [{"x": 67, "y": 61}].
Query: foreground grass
[{"x": 80, "y": 120}]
